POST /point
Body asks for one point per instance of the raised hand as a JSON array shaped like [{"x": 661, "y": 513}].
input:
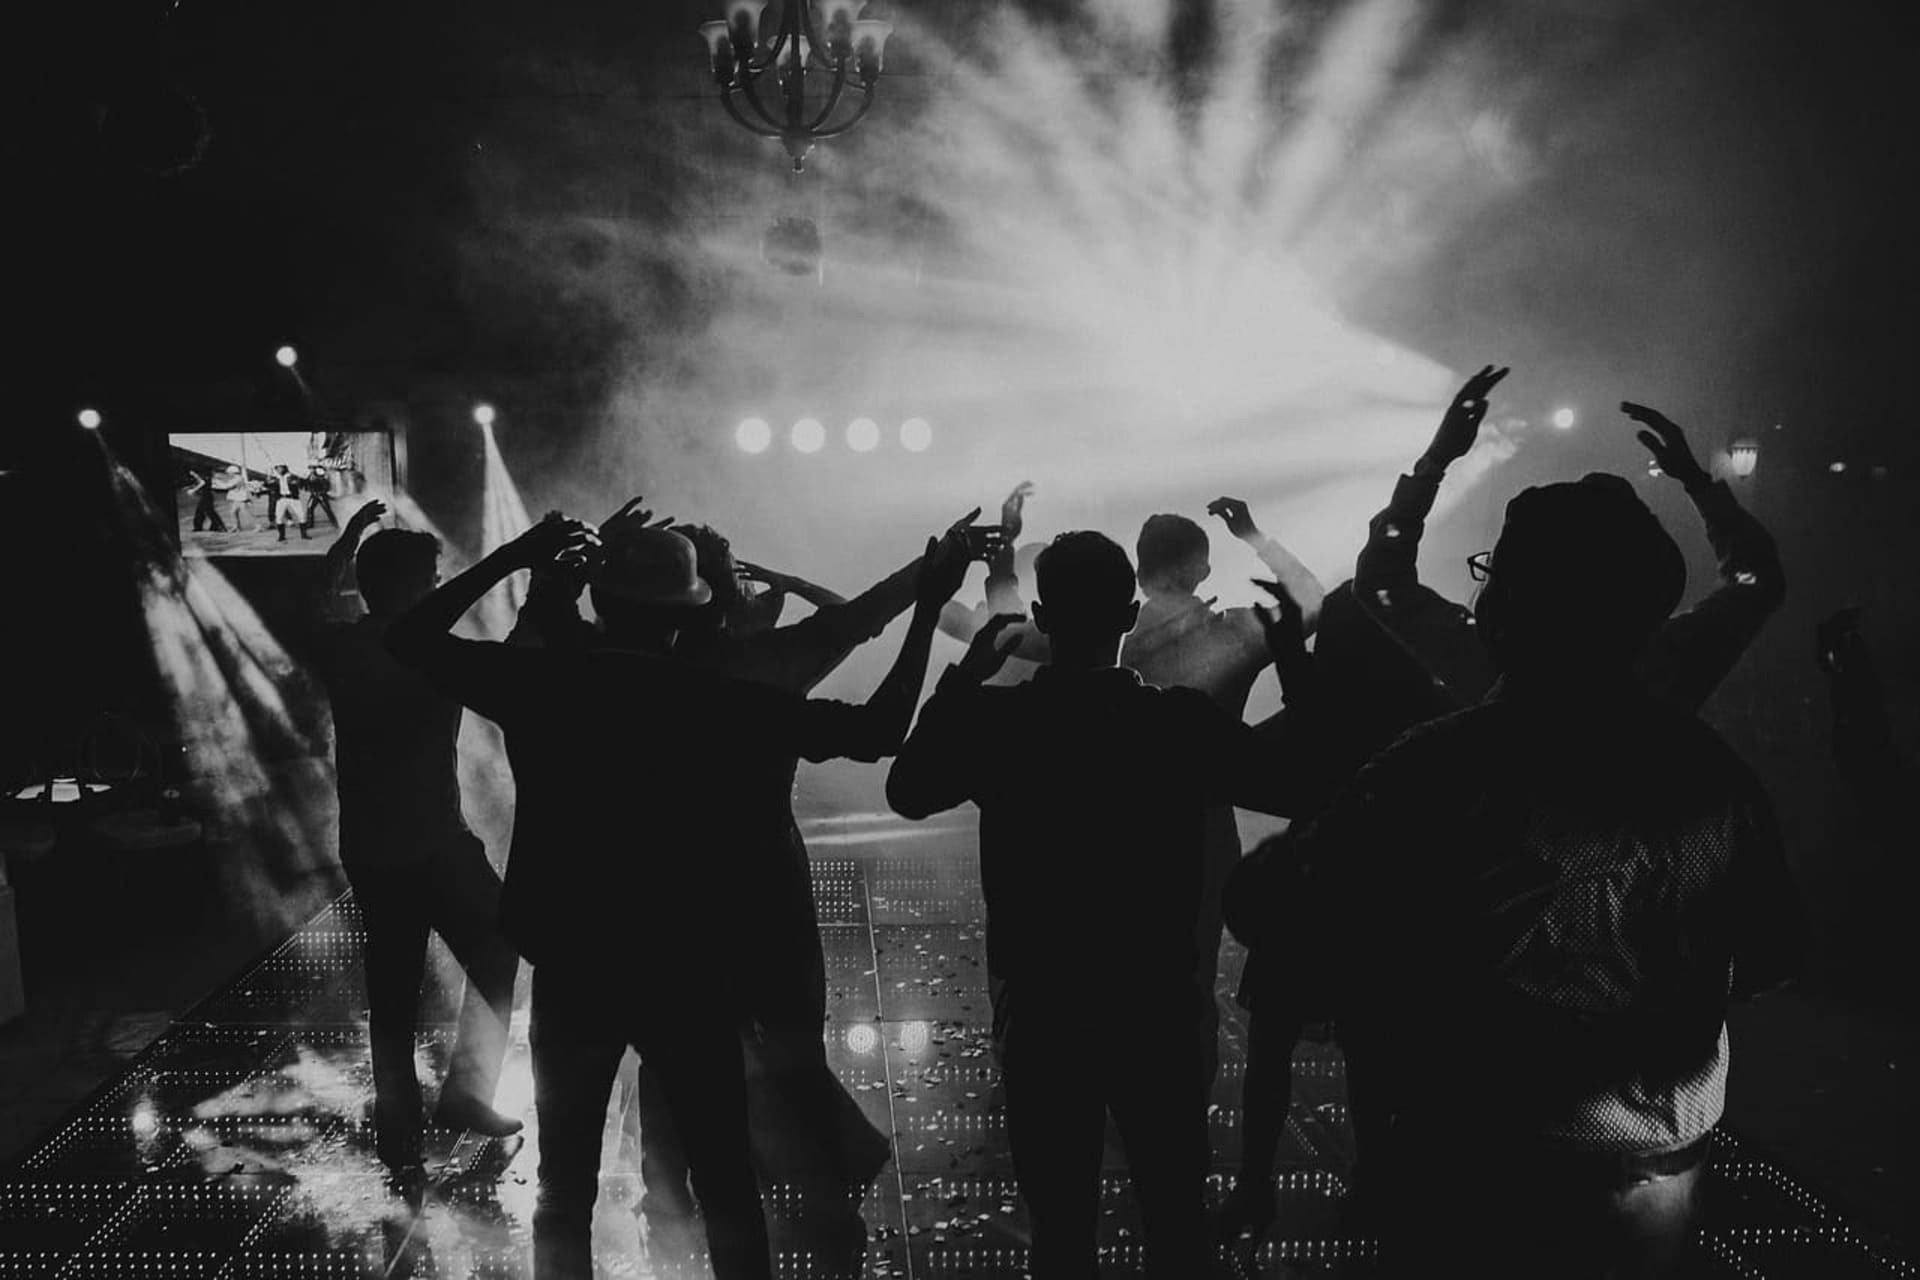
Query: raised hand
[
  {"x": 1461, "y": 425},
  {"x": 750, "y": 572},
  {"x": 636, "y": 510},
  {"x": 1239, "y": 519},
  {"x": 942, "y": 569},
  {"x": 554, "y": 539},
  {"x": 369, "y": 512},
  {"x": 1285, "y": 623},
  {"x": 986, "y": 655},
  {"x": 1012, "y": 511},
  {"x": 983, "y": 541},
  {"x": 1667, "y": 443}
]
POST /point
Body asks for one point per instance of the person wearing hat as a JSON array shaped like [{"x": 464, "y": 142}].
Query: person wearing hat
[
  {"x": 1539, "y": 906},
  {"x": 625, "y": 819}
]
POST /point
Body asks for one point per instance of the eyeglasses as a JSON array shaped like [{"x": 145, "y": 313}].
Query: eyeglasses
[{"x": 1480, "y": 566}]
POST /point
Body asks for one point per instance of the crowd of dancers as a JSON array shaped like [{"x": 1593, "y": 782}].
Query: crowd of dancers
[{"x": 1521, "y": 880}]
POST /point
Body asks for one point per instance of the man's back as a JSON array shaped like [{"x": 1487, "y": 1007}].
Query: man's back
[
  {"x": 1092, "y": 788},
  {"x": 1565, "y": 884},
  {"x": 1183, "y": 643}
]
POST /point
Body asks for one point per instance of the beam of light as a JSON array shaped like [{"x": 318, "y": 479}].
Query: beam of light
[
  {"x": 503, "y": 517},
  {"x": 257, "y": 761}
]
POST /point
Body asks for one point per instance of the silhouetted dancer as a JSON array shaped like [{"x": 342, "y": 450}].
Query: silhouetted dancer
[
  {"x": 1392, "y": 653},
  {"x": 414, "y": 866},
  {"x": 1093, "y": 790},
  {"x": 624, "y": 846},
  {"x": 783, "y": 967},
  {"x": 200, "y": 487},
  {"x": 1184, "y": 642},
  {"x": 317, "y": 490},
  {"x": 1537, "y": 908}
]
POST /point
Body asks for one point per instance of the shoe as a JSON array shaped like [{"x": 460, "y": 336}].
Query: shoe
[
  {"x": 470, "y": 1115},
  {"x": 1249, "y": 1210}
]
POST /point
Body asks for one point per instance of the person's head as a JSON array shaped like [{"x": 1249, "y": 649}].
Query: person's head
[
  {"x": 714, "y": 556},
  {"x": 1086, "y": 599},
  {"x": 396, "y": 569},
  {"x": 1174, "y": 555},
  {"x": 280, "y": 468},
  {"x": 1582, "y": 576},
  {"x": 648, "y": 586}
]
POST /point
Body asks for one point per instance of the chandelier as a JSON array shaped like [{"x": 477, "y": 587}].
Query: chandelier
[{"x": 826, "y": 37}]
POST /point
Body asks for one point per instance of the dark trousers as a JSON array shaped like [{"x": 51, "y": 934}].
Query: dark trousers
[
  {"x": 1513, "y": 1210},
  {"x": 1059, "y": 1093},
  {"x": 454, "y": 893},
  {"x": 581, "y": 1028},
  {"x": 204, "y": 511},
  {"x": 319, "y": 501},
  {"x": 1222, "y": 852}
]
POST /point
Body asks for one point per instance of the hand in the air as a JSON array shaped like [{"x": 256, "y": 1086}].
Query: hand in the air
[
  {"x": 1461, "y": 425},
  {"x": 1284, "y": 623},
  {"x": 1239, "y": 519},
  {"x": 1013, "y": 510},
  {"x": 1667, "y": 443},
  {"x": 986, "y": 655},
  {"x": 555, "y": 539},
  {"x": 982, "y": 541},
  {"x": 369, "y": 512}
]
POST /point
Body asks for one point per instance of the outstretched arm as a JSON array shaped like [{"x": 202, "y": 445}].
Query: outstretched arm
[
  {"x": 937, "y": 767},
  {"x": 1390, "y": 559},
  {"x": 337, "y": 573},
  {"x": 1299, "y": 581},
  {"x": 1695, "y": 650}
]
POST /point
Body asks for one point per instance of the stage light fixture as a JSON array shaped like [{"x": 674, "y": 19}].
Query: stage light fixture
[
  {"x": 287, "y": 357},
  {"x": 916, "y": 435},
  {"x": 1563, "y": 419},
  {"x": 483, "y": 414},
  {"x": 753, "y": 435},
  {"x": 1837, "y": 467},
  {"x": 809, "y": 435},
  {"x": 863, "y": 435},
  {"x": 90, "y": 419},
  {"x": 1744, "y": 457}
]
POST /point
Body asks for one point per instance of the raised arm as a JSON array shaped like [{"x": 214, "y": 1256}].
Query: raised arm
[
  {"x": 1695, "y": 650},
  {"x": 936, "y": 769},
  {"x": 1390, "y": 559},
  {"x": 337, "y": 575},
  {"x": 1301, "y": 584}
]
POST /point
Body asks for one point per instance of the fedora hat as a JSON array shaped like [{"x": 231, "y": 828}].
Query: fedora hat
[{"x": 650, "y": 566}]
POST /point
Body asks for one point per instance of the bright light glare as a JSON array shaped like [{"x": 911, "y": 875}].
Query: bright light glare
[
  {"x": 145, "y": 1120},
  {"x": 753, "y": 435},
  {"x": 809, "y": 435},
  {"x": 862, "y": 1038},
  {"x": 1837, "y": 468},
  {"x": 287, "y": 357},
  {"x": 915, "y": 1036},
  {"x": 483, "y": 414},
  {"x": 1563, "y": 419},
  {"x": 863, "y": 435},
  {"x": 90, "y": 419},
  {"x": 916, "y": 435}
]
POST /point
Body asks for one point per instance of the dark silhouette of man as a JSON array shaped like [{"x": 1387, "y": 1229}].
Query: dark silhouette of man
[
  {"x": 203, "y": 509},
  {"x": 414, "y": 866},
  {"x": 1537, "y": 908},
  {"x": 317, "y": 489},
  {"x": 624, "y": 840},
  {"x": 1183, "y": 642},
  {"x": 1093, "y": 789}
]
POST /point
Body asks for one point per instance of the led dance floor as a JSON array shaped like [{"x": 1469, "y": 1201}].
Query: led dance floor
[{"x": 238, "y": 1146}]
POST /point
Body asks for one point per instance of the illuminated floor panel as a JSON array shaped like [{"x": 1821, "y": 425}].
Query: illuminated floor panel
[{"x": 238, "y": 1146}]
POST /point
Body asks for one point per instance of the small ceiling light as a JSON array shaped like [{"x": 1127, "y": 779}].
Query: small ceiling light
[
  {"x": 1744, "y": 457},
  {"x": 1837, "y": 467},
  {"x": 916, "y": 435},
  {"x": 483, "y": 414},
  {"x": 287, "y": 357},
  {"x": 1563, "y": 419},
  {"x": 90, "y": 419},
  {"x": 753, "y": 435},
  {"x": 863, "y": 435},
  {"x": 809, "y": 435}
]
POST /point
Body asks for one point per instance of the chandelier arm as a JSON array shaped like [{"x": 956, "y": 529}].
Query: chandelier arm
[
  {"x": 833, "y": 100},
  {"x": 733, "y": 109},
  {"x": 866, "y": 101},
  {"x": 759, "y": 109}
]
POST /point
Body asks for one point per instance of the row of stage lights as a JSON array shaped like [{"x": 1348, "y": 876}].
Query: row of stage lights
[{"x": 809, "y": 435}]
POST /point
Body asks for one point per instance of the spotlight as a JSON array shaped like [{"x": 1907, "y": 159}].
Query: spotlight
[
  {"x": 863, "y": 435},
  {"x": 90, "y": 419},
  {"x": 1837, "y": 467},
  {"x": 753, "y": 435},
  {"x": 483, "y": 414},
  {"x": 862, "y": 1038},
  {"x": 1563, "y": 419},
  {"x": 915, "y": 1036},
  {"x": 287, "y": 357},
  {"x": 1744, "y": 457},
  {"x": 916, "y": 435},
  {"x": 809, "y": 435}
]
